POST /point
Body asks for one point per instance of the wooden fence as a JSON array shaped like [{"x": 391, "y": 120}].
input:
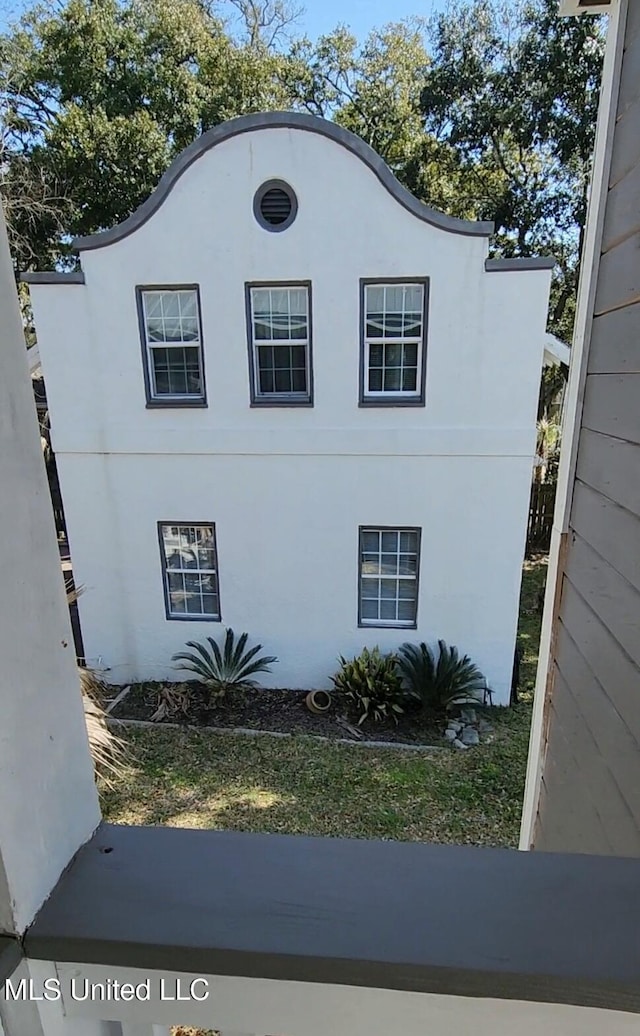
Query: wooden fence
[{"x": 541, "y": 506}]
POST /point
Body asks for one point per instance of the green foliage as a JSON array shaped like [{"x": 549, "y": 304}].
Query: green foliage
[
  {"x": 513, "y": 89},
  {"x": 232, "y": 668},
  {"x": 371, "y": 685},
  {"x": 440, "y": 679}
]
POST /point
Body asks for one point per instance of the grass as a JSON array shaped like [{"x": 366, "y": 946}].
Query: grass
[{"x": 299, "y": 786}]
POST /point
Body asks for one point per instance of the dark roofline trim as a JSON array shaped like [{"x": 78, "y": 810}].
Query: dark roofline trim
[
  {"x": 281, "y": 120},
  {"x": 51, "y": 277},
  {"x": 539, "y": 262}
]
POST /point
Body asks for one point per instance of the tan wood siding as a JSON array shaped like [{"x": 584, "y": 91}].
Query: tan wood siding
[
  {"x": 619, "y": 280},
  {"x": 626, "y": 144},
  {"x": 590, "y": 795},
  {"x": 610, "y": 467},
  {"x": 611, "y": 405},
  {"x": 623, "y": 210},
  {"x": 615, "y": 342}
]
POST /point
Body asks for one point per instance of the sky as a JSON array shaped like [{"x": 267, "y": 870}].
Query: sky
[
  {"x": 320, "y": 15},
  {"x": 362, "y": 15}
]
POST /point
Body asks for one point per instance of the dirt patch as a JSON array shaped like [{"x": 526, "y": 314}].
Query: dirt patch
[{"x": 281, "y": 710}]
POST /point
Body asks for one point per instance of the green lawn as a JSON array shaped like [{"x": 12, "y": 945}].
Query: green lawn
[{"x": 299, "y": 786}]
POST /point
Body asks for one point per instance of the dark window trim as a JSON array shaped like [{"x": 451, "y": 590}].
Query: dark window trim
[
  {"x": 169, "y": 615},
  {"x": 391, "y": 400},
  {"x": 171, "y": 402},
  {"x": 283, "y": 399},
  {"x": 371, "y": 527},
  {"x": 271, "y": 185}
]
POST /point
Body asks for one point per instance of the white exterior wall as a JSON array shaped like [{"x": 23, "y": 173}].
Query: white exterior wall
[{"x": 288, "y": 487}]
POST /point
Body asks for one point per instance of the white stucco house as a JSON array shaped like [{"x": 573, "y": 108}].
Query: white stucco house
[{"x": 289, "y": 398}]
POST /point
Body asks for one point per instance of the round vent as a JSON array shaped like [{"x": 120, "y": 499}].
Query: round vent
[{"x": 275, "y": 205}]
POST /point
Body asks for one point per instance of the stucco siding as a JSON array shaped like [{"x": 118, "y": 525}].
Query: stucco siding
[
  {"x": 287, "y": 539},
  {"x": 591, "y": 776},
  {"x": 288, "y": 487}
]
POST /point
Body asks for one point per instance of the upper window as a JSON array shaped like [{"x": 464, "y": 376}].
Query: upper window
[
  {"x": 393, "y": 335},
  {"x": 275, "y": 205},
  {"x": 280, "y": 343},
  {"x": 172, "y": 345},
  {"x": 190, "y": 570},
  {"x": 389, "y": 566}
]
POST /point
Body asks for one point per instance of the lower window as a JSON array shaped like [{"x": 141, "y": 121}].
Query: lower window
[
  {"x": 389, "y": 567},
  {"x": 190, "y": 571}
]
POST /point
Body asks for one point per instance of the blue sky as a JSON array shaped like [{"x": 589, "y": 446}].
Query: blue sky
[
  {"x": 321, "y": 15},
  {"x": 362, "y": 15}
]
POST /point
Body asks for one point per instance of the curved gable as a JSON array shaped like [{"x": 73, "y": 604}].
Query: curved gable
[{"x": 281, "y": 120}]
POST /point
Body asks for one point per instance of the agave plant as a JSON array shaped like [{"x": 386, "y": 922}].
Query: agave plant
[
  {"x": 221, "y": 671},
  {"x": 371, "y": 685},
  {"x": 440, "y": 679}
]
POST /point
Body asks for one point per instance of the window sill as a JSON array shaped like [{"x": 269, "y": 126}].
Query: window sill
[
  {"x": 194, "y": 618},
  {"x": 387, "y": 626},
  {"x": 394, "y": 401},
  {"x": 176, "y": 404},
  {"x": 283, "y": 402}
]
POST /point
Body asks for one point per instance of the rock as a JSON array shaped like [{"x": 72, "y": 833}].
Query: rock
[
  {"x": 454, "y": 725},
  {"x": 470, "y": 736},
  {"x": 484, "y": 727},
  {"x": 450, "y": 735},
  {"x": 458, "y": 744},
  {"x": 468, "y": 715}
]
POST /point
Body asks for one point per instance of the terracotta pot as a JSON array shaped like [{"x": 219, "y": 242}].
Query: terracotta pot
[{"x": 318, "y": 702}]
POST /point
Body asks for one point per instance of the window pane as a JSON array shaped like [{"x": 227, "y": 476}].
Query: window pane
[
  {"x": 388, "y": 588},
  {"x": 176, "y": 371},
  {"x": 371, "y": 541},
  {"x": 374, "y": 298},
  {"x": 390, "y": 540},
  {"x": 369, "y": 610},
  {"x": 413, "y": 298},
  {"x": 392, "y": 379},
  {"x": 407, "y": 611},
  {"x": 393, "y": 355},
  {"x": 177, "y": 603},
  {"x": 299, "y": 381},
  {"x": 409, "y": 541},
  {"x": 210, "y": 604},
  {"x": 408, "y": 564},
  {"x": 389, "y": 564},
  {"x": 388, "y": 610},
  {"x": 282, "y": 357},
  {"x": 375, "y": 381},
  {"x": 299, "y": 356},
  {"x": 411, "y": 355},
  {"x": 407, "y": 589},
  {"x": 409, "y": 379},
  {"x": 283, "y": 381},
  {"x": 375, "y": 355},
  {"x": 194, "y": 604},
  {"x": 370, "y": 589},
  {"x": 370, "y": 564}
]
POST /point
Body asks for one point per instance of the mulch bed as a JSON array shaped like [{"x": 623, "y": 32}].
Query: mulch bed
[{"x": 280, "y": 710}]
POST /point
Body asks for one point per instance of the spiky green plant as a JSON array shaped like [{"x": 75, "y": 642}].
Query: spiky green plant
[
  {"x": 221, "y": 671},
  {"x": 371, "y": 685},
  {"x": 440, "y": 678}
]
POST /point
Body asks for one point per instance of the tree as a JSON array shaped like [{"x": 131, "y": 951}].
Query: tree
[
  {"x": 98, "y": 96},
  {"x": 267, "y": 24},
  {"x": 513, "y": 90}
]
